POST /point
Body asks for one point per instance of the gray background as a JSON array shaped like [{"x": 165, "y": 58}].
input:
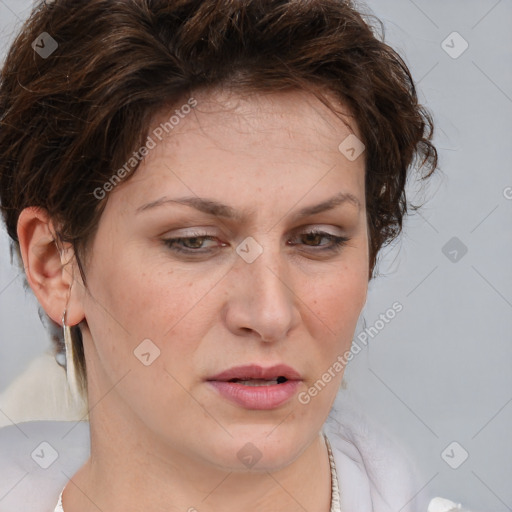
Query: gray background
[{"x": 440, "y": 371}]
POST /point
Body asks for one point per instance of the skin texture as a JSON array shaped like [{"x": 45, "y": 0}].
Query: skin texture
[{"x": 161, "y": 437}]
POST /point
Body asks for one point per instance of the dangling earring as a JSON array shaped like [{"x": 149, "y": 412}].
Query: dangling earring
[{"x": 70, "y": 365}]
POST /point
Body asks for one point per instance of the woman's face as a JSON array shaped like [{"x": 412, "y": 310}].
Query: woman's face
[{"x": 181, "y": 290}]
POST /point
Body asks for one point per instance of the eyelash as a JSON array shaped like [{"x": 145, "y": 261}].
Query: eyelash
[{"x": 337, "y": 242}]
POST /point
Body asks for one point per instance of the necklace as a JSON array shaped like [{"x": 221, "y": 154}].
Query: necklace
[{"x": 335, "y": 492}]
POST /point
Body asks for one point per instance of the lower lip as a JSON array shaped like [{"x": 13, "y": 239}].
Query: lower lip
[{"x": 257, "y": 397}]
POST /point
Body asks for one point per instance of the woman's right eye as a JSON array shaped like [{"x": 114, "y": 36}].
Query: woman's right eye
[{"x": 190, "y": 245}]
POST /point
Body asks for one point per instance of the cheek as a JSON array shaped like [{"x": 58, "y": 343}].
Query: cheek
[
  {"x": 336, "y": 307},
  {"x": 337, "y": 301},
  {"x": 130, "y": 305}
]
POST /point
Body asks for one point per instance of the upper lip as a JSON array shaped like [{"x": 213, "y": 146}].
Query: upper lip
[{"x": 253, "y": 371}]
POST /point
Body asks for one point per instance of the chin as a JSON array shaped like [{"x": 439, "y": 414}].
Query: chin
[{"x": 260, "y": 448}]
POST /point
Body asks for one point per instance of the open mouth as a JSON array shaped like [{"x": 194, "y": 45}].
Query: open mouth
[
  {"x": 259, "y": 382},
  {"x": 255, "y": 387}
]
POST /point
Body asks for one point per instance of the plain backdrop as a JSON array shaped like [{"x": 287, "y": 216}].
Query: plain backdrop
[{"x": 438, "y": 376}]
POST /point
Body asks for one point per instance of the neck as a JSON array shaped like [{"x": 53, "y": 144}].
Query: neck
[{"x": 130, "y": 469}]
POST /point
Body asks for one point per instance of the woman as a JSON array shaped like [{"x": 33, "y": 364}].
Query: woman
[{"x": 198, "y": 192}]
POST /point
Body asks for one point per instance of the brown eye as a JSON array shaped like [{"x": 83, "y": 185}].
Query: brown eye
[
  {"x": 313, "y": 239},
  {"x": 190, "y": 245}
]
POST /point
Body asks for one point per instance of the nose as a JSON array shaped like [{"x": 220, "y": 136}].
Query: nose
[{"x": 262, "y": 301}]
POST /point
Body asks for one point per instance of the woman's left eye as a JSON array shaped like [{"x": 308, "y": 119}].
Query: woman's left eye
[
  {"x": 336, "y": 242},
  {"x": 194, "y": 244}
]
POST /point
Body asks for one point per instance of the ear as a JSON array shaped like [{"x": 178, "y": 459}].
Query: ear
[{"x": 51, "y": 273}]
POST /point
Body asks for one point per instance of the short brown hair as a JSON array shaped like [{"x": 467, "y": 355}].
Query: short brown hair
[{"x": 69, "y": 120}]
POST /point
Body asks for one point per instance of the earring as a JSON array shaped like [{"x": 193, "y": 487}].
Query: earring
[{"x": 70, "y": 365}]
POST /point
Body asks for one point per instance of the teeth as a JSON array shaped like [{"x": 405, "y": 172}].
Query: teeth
[{"x": 258, "y": 382}]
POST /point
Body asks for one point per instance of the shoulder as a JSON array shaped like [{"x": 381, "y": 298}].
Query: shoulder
[
  {"x": 38, "y": 458},
  {"x": 40, "y": 393},
  {"x": 374, "y": 471}
]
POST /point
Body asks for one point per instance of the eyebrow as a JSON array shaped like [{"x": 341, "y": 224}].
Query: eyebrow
[{"x": 212, "y": 207}]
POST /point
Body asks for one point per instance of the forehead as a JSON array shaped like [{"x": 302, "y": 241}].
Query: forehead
[
  {"x": 296, "y": 112},
  {"x": 286, "y": 140}
]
